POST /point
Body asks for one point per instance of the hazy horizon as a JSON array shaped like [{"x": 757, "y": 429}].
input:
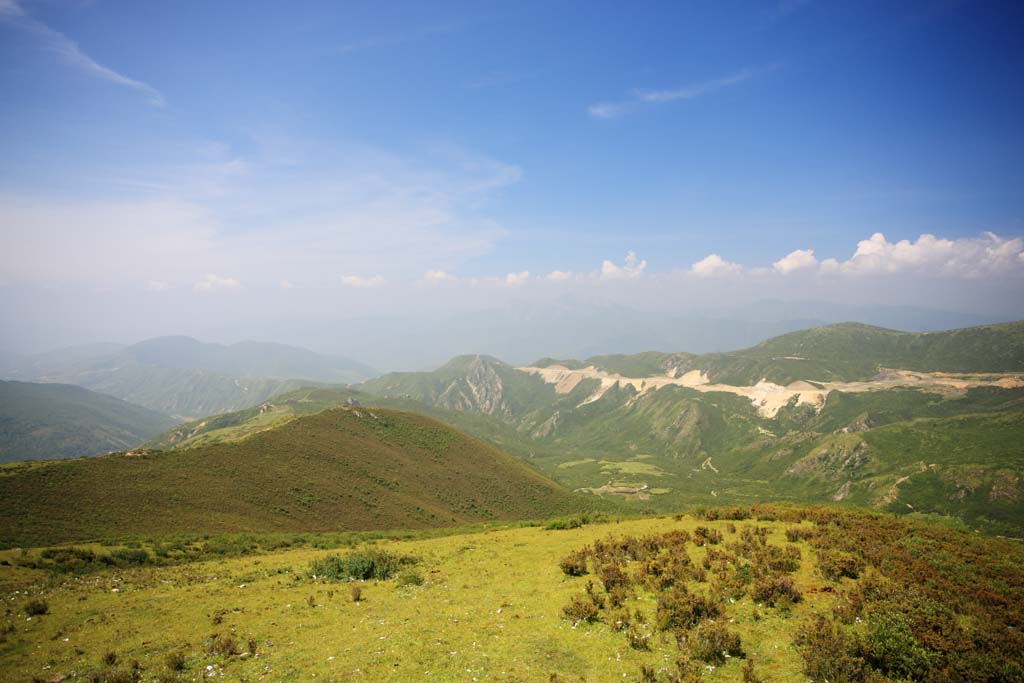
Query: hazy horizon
[{"x": 403, "y": 184}]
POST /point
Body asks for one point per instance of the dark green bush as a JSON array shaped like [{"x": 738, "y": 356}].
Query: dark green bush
[
  {"x": 175, "y": 661},
  {"x": 129, "y": 556},
  {"x": 411, "y": 577},
  {"x": 36, "y": 607},
  {"x": 889, "y": 646},
  {"x": 359, "y": 565}
]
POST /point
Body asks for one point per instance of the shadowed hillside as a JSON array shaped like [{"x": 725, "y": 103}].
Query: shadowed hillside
[
  {"x": 336, "y": 470},
  {"x": 44, "y": 421}
]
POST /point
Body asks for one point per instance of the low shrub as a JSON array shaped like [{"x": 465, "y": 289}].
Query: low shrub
[
  {"x": 638, "y": 640},
  {"x": 712, "y": 641},
  {"x": 703, "y": 535},
  {"x": 359, "y": 565},
  {"x": 575, "y": 563},
  {"x": 749, "y": 675},
  {"x": 776, "y": 590},
  {"x": 411, "y": 578},
  {"x": 795, "y": 534},
  {"x": 175, "y": 661},
  {"x": 889, "y": 646},
  {"x": 580, "y": 609},
  {"x": 563, "y": 524},
  {"x": 835, "y": 564},
  {"x": 680, "y": 609},
  {"x": 224, "y": 645},
  {"x": 36, "y": 607}
]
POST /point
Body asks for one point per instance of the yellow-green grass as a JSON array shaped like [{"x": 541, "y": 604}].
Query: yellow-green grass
[
  {"x": 490, "y": 610},
  {"x": 631, "y": 467}
]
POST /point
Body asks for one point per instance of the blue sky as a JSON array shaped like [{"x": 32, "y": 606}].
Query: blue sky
[{"x": 294, "y": 145}]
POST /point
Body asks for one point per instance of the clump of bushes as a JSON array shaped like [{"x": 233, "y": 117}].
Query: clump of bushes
[
  {"x": 357, "y": 594},
  {"x": 360, "y": 565},
  {"x": 835, "y": 564},
  {"x": 224, "y": 645},
  {"x": 795, "y": 534},
  {"x": 776, "y": 590},
  {"x": 580, "y": 609},
  {"x": 575, "y": 563},
  {"x": 712, "y": 641},
  {"x": 133, "y": 674},
  {"x": 703, "y": 535},
  {"x": 679, "y": 609},
  {"x": 563, "y": 523},
  {"x": 36, "y": 607},
  {"x": 749, "y": 674},
  {"x": 411, "y": 578},
  {"x": 175, "y": 661}
]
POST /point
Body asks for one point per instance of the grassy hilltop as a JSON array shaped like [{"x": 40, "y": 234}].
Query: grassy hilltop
[{"x": 341, "y": 469}]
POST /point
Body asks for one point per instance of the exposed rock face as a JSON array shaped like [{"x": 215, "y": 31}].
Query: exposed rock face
[
  {"x": 832, "y": 462},
  {"x": 480, "y": 389},
  {"x": 842, "y": 493}
]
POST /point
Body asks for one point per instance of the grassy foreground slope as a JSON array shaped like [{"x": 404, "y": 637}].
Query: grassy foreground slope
[
  {"x": 336, "y": 470},
  {"x": 43, "y": 421},
  {"x": 789, "y": 595}
]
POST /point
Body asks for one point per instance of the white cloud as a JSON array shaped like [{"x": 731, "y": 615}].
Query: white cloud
[
  {"x": 611, "y": 110},
  {"x": 801, "y": 259},
  {"x": 559, "y": 275},
  {"x": 968, "y": 257},
  {"x": 690, "y": 92},
  {"x": 157, "y": 286},
  {"x": 516, "y": 279},
  {"x": 630, "y": 269},
  {"x": 213, "y": 282},
  {"x": 436, "y": 277},
  {"x": 607, "y": 110},
  {"x": 71, "y": 54},
  {"x": 362, "y": 282},
  {"x": 714, "y": 265}
]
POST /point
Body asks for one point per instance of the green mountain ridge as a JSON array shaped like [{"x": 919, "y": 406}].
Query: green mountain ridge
[
  {"x": 840, "y": 352},
  {"x": 44, "y": 421},
  {"x": 674, "y": 445},
  {"x": 339, "y": 469}
]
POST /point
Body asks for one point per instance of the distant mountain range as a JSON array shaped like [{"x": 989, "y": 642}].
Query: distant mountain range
[
  {"x": 849, "y": 413},
  {"x": 926, "y": 422},
  {"x": 43, "y": 421},
  {"x": 184, "y": 378}
]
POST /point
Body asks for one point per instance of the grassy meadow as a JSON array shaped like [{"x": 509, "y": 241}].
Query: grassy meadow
[{"x": 489, "y": 605}]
